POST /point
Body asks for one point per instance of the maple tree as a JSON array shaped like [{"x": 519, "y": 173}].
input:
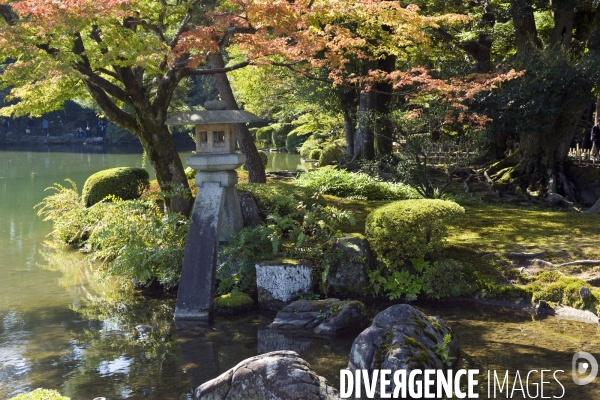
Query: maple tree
[
  {"x": 120, "y": 54},
  {"x": 368, "y": 49}
]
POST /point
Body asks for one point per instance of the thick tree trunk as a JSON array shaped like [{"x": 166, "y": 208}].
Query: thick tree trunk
[
  {"x": 564, "y": 18},
  {"x": 364, "y": 138},
  {"x": 526, "y": 38},
  {"x": 164, "y": 158},
  {"x": 148, "y": 125},
  {"x": 540, "y": 163},
  {"x": 256, "y": 169}
]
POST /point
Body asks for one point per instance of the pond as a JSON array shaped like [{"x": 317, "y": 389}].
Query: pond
[{"x": 50, "y": 338}]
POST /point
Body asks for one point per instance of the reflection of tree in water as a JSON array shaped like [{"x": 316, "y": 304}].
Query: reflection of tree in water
[
  {"x": 133, "y": 352},
  {"x": 129, "y": 345}
]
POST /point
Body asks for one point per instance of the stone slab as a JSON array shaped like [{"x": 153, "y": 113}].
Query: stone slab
[
  {"x": 215, "y": 162},
  {"x": 197, "y": 283}
]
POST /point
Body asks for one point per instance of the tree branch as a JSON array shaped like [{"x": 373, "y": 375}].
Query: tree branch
[
  {"x": 218, "y": 70},
  {"x": 110, "y": 109}
]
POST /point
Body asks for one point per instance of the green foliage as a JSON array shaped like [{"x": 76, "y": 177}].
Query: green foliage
[
  {"x": 331, "y": 154},
  {"x": 190, "y": 173},
  {"x": 66, "y": 211},
  {"x": 41, "y": 394},
  {"x": 409, "y": 229},
  {"x": 443, "y": 350},
  {"x": 296, "y": 138},
  {"x": 306, "y": 232},
  {"x": 116, "y": 134},
  {"x": 443, "y": 279},
  {"x": 312, "y": 143},
  {"x": 134, "y": 238},
  {"x": 314, "y": 154},
  {"x": 279, "y": 135},
  {"x": 125, "y": 183},
  {"x": 279, "y": 198},
  {"x": 397, "y": 283},
  {"x": 555, "y": 288},
  {"x": 264, "y": 135},
  {"x": 341, "y": 183}
]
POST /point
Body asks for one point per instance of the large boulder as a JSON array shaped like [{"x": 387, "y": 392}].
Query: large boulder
[
  {"x": 403, "y": 338},
  {"x": 323, "y": 317},
  {"x": 280, "y": 375},
  {"x": 279, "y": 282},
  {"x": 348, "y": 274}
]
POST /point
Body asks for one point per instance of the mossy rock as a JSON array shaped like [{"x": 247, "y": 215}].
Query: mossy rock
[
  {"x": 233, "y": 303},
  {"x": 125, "y": 182}
]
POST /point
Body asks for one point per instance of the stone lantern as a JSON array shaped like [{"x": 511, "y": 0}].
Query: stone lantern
[{"x": 217, "y": 213}]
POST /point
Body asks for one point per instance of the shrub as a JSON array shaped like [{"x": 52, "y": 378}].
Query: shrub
[
  {"x": 279, "y": 134},
  {"x": 133, "y": 237},
  {"x": 136, "y": 240},
  {"x": 409, "y": 229},
  {"x": 67, "y": 212},
  {"x": 314, "y": 154},
  {"x": 305, "y": 233},
  {"x": 40, "y": 394},
  {"x": 264, "y": 135},
  {"x": 297, "y": 137},
  {"x": 312, "y": 143},
  {"x": 341, "y": 183},
  {"x": 279, "y": 198},
  {"x": 331, "y": 154},
  {"x": 444, "y": 278},
  {"x": 125, "y": 183}
]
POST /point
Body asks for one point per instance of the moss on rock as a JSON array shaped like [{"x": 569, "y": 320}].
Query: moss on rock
[{"x": 233, "y": 303}]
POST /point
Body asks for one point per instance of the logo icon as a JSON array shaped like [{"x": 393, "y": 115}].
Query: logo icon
[{"x": 580, "y": 367}]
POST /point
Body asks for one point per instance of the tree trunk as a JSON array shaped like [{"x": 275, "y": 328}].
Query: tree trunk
[
  {"x": 256, "y": 169},
  {"x": 526, "y": 38},
  {"x": 349, "y": 103},
  {"x": 384, "y": 103},
  {"x": 148, "y": 124},
  {"x": 364, "y": 138},
  {"x": 164, "y": 158},
  {"x": 540, "y": 163},
  {"x": 564, "y": 18}
]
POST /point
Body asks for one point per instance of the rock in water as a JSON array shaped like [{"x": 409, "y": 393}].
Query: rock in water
[
  {"x": 403, "y": 338},
  {"x": 323, "y": 317},
  {"x": 280, "y": 375}
]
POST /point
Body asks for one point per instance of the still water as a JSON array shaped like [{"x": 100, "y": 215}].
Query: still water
[{"x": 50, "y": 335}]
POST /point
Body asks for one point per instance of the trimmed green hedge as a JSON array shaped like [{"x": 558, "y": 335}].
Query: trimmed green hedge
[
  {"x": 264, "y": 135},
  {"x": 409, "y": 229},
  {"x": 125, "y": 183},
  {"x": 331, "y": 154},
  {"x": 279, "y": 134}
]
